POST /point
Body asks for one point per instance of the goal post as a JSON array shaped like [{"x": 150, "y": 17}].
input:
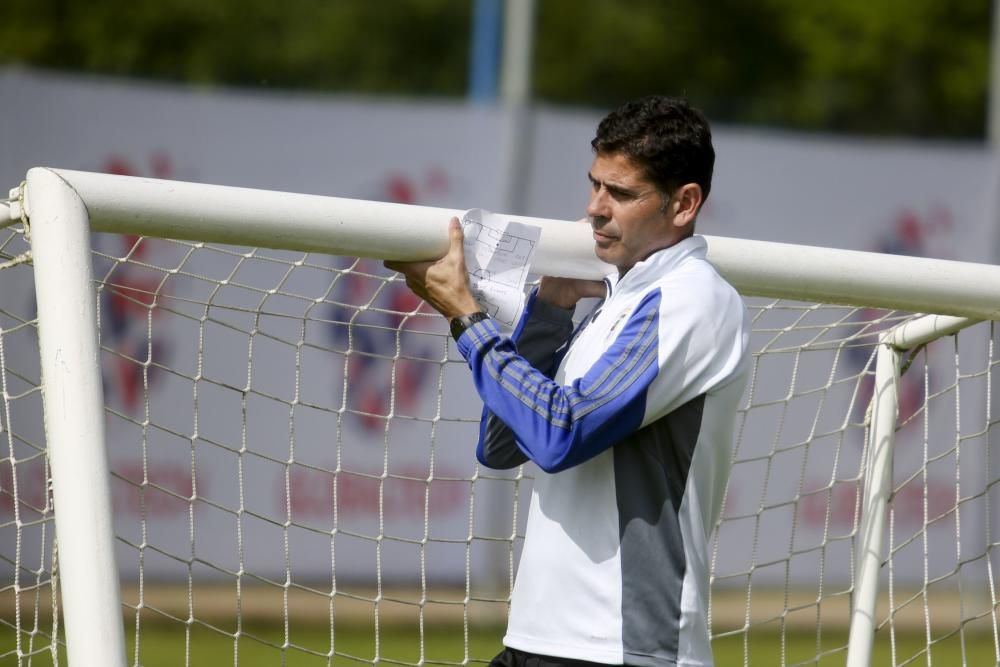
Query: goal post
[
  {"x": 819, "y": 307},
  {"x": 878, "y": 465},
  {"x": 74, "y": 407}
]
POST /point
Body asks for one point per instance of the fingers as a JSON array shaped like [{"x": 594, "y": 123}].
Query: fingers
[
  {"x": 457, "y": 238},
  {"x": 565, "y": 292},
  {"x": 413, "y": 272},
  {"x": 591, "y": 288}
]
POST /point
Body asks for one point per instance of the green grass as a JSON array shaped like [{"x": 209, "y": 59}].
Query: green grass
[
  {"x": 800, "y": 648},
  {"x": 351, "y": 645},
  {"x": 167, "y": 645}
]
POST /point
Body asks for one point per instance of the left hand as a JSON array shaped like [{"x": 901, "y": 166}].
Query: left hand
[
  {"x": 565, "y": 292},
  {"x": 442, "y": 283}
]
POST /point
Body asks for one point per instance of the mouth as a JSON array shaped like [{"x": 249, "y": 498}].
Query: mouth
[
  {"x": 598, "y": 225},
  {"x": 602, "y": 238}
]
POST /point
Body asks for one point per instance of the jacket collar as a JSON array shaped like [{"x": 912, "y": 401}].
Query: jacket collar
[{"x": 657, "y": 265}]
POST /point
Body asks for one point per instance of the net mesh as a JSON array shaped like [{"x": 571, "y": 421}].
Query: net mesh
[
  {"x": 782, "y": 564},
  {"x": 290, "y": 437}
]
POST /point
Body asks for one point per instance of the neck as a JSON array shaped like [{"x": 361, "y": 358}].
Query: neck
[{"x": 622, "y": 270}]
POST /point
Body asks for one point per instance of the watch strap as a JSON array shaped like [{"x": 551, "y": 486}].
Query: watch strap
[{"x": 462, "y": 322}]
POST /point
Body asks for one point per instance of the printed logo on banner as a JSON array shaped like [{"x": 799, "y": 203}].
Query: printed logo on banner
[
  {"x": 159, "y": 490},
  {"x": 916, "y": 234},
  {"x": 913, "y": 235},
  {"x": 369, "y": 337},
  {"x": 127, "y": 304},
  {"x": 26, "y": 488},
  {"x": 159, "y": 162},
  {"x": 406, "y": 495},
  {"x": 369, "y": 332},
  {"x": 128, "y": 307},
  {"x": 390, "y": 366}
]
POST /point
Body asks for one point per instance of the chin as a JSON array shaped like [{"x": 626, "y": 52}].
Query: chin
[{"x": 605, "y": 256}]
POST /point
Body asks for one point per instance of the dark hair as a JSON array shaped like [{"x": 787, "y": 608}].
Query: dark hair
[{"x": 667, "y": 138}]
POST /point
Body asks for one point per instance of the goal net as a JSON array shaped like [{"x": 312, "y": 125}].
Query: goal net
[{"x": 290, "y": 438}]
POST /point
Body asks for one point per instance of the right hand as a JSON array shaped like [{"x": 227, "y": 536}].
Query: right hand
[
  {"x": 565, "y": 292},
  {"x": 442, "y": 283}
]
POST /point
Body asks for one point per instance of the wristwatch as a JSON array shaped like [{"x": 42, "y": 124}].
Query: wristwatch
[{"x": 462, "y": 322}]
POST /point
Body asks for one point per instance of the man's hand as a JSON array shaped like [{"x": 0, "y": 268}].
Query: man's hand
[
  {"x": 444, "y": 283},
  {"x": 565, "y": 292}
]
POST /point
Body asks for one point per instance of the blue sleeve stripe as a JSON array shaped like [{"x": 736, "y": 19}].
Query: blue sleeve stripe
[
  {"x": 586, "y": 395},
  {"x": 529, "y": 305},
  {"x": 558, "y": 426},
  {"x": 613, "y": 375},
  {"x": 631, "y": 361}
]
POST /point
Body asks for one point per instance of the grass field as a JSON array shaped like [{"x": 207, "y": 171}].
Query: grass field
[{"x": 167, "y": 645}]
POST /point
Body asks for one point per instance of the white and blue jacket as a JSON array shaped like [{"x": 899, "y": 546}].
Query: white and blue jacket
[{"x": 630, "y": 419}]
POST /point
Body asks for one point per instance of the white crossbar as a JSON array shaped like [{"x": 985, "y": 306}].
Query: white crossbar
[{"x": 242, "y": 216}]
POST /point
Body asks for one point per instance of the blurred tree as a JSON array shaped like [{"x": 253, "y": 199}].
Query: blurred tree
[
  {"x": 892, "y": 66},
  {"x": 912, "y": 67},
  {"x": 397, "y": 47},
  {"x": 909, "y": 67}
]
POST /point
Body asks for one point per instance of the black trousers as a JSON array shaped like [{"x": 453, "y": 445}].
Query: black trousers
[{"x": 511, "y": 657}]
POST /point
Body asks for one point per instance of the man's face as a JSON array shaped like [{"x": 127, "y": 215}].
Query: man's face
[{"x": 629, "y": 216}]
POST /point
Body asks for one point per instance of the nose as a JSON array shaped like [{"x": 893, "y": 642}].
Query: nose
[{"x": 598, "y": 205}]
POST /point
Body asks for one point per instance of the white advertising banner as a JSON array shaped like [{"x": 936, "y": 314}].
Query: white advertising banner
[
  {"x": 234, "y": 409},
  {"x": 902, "y": 197}
]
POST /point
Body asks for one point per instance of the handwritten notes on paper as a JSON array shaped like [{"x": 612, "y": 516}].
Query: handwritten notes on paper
[{"x": 497, "y": 253}]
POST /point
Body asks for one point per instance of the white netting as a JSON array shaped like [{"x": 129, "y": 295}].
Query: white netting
[
  {"x": 291, "y": 439},
  {"x": 784, "y": 553},
  {"x": 27, "y": 528}
]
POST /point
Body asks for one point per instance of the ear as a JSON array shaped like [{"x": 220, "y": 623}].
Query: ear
[{"x": 686, "y": 203}]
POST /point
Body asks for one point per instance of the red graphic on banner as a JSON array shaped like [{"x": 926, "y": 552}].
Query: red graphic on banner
[
  {"x": 371, "y": 335},
  {"x": 914, "y": 235},
  {"x": 154, "y": 489},
  {"x": 128, "y": 305},
  {"x": 31, "y": 492},
  {"x": 838, "y": 505},
  {"x": 401, "y": 496},
  {"x": 383, "y": 344},
  {"x": 160, "y": 166},
  {"x": 166, "y": 492}
]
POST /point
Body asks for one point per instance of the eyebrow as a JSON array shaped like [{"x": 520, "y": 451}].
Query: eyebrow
[{"x": 614, "y": 187}]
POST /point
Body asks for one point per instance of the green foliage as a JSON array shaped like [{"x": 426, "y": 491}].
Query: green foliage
[
  {"x": 404, "y": 46},
  {"x": 910, "y": 67},
  {"x": 917, "y": 67}
]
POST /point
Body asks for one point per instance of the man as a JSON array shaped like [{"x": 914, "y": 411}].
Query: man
[{"x": 630, "y": 417}]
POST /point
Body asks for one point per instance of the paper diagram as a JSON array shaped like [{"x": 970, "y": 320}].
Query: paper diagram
[{"x": 497, "y": 255}]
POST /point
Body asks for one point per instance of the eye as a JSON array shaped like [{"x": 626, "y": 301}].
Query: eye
[{"x": 621, "y": 195}]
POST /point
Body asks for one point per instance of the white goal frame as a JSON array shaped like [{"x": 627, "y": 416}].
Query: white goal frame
[{"x": 60, "y": 209}]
